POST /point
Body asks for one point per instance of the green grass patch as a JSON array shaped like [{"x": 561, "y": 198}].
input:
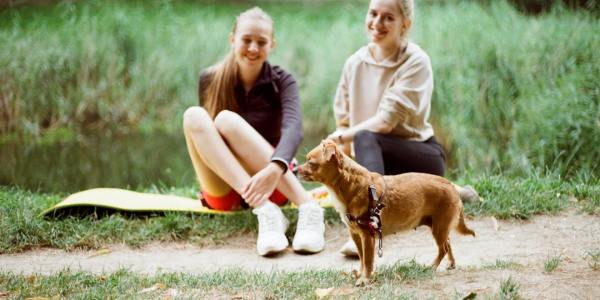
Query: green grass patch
[
  {"x": 224, "y": 284},
  {"x": 25, "y": 229},
  {"x": 588, "y": 196},
  {"x": 509, "y": 289},
  {"x": 500, "y": 264},
  {"x": 592, "y": 257},
  {"x": 520, "y": 197},
  {"x": 21, "y": 223},
  {"x": 405, "y": 271},
  {"x": 552, "y": 263}
]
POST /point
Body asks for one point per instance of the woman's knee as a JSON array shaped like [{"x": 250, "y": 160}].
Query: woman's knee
[
  {"x": 368, "y": 151},
  {"x": 195, "y": 119},
  {"x": 227, "y": 122},
  {"x": 365, "y": 137}
]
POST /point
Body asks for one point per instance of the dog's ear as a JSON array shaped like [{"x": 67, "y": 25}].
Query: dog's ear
[{"x": 329, "y": 149}]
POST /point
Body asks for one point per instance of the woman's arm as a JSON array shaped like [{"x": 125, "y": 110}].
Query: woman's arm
[
  {"x": 291, "y": 121},
  {"x": 341, "y": 108},
  {"x": 409, "y": 95},
  {"x": 340, "y": 101},
  {"x": 263, "y": 183},
  {"x": 375, "y": 124}
]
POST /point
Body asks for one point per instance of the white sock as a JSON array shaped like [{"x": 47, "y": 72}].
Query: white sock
[
  {"x": 310, "y": 202},
  {"x": 265, "y": 203}
]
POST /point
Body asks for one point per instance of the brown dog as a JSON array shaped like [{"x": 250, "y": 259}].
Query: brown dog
[{"x": 409, "y": 200}]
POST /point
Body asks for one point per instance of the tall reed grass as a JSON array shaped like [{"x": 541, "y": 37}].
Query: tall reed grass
[{"x": 513, "y": 93}]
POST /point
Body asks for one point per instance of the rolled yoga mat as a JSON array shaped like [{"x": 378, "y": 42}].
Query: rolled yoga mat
[{"x": 130, "y": 201}]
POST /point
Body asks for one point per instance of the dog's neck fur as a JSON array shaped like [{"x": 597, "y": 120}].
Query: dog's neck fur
[{"x": 352, "y": 179}]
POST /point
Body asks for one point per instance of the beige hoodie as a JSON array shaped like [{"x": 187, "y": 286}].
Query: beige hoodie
[{"x": 398, "y": 89}]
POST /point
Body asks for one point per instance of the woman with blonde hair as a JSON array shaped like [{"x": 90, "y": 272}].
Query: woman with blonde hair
[
  {"x": 383, "y": 100},
  {"x": 243, "y": 138}
]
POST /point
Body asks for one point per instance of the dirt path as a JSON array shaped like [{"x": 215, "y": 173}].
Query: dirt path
[{"x": 527, "y": 243}]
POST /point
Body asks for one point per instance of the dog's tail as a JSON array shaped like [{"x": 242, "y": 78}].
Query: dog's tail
[{"x": 462, "y": 227}]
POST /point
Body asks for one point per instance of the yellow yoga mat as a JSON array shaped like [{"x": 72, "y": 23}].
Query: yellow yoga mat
[{"x": 131, "y": 201}]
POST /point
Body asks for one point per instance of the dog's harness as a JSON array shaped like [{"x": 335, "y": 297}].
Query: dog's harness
[{"x": 371, "y": 220}]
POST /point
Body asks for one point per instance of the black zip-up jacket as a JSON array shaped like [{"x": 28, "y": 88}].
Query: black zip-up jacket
[{"x": 272, "y": 107}]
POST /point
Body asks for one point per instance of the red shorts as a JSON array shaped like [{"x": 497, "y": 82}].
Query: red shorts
[{"x": 233, "y": 200}]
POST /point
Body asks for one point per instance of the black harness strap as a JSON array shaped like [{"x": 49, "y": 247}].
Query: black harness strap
[{"x": 372, "y": 218}]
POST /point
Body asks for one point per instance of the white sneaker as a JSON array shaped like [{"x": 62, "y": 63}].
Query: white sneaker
[
  {"x": 310, "y": 232},
  {"x": 468, "y": 194},
  {"x": 349, "y": 248},
  {"x": 272, "y": 225}
]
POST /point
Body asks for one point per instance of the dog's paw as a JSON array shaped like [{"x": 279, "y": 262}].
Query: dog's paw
[
  {"x": 362, "y": 282},
  {"x": 451, "y": 267},
  {"x": 355, "y": 273}
]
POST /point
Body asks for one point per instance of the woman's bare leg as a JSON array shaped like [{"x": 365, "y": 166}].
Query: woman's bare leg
[
  {"x": 216, "y": 166},
  {"x": 210, "y": 182},
  {"x": 211, "y": 156},
  {"x": 255, "y": 152}
]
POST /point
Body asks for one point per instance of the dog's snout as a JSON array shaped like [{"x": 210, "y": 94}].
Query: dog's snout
[{"x": 302, "y": 173}]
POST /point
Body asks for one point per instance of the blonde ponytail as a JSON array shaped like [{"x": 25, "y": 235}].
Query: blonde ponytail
[
  {"x": 406, "y": 8},
  {"x": 220, "y": 90}
]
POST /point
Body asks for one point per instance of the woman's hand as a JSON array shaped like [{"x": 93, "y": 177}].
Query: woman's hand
[
  {"x": 346, "y": 135},
  {"x": 336, "y": 136},
  {"x": 262, "y": 184}
]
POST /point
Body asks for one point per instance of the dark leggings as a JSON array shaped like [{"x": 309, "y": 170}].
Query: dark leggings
[{"x": 390, "y": 155}]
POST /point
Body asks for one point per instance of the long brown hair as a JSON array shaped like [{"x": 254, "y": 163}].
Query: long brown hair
[{"x": 219, "y": 93}]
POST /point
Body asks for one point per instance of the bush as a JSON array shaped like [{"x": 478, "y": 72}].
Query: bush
[
  {"x": 541, "y": 6},
  {"x": 511, "y": 92}
]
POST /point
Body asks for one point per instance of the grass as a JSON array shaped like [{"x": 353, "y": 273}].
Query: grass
[
  {"x": 500, "y": 264},
  {"x": 522, "y": 197},
  {"x": 590, "y": 202},
  {"x": 25, "y": 229},
  {"x": 552, "y": 263},
  {"x": 592, "y": 257},
  {"x": 526, "y": 97},
  {"x": 402, "y": 280},
  {"x": 509, "y": 289},
  {"x": 225, "y": 284},
  {"x": 504, "y": 198}
]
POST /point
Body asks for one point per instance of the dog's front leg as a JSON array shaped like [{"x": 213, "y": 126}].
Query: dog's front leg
[
  {"x": 368, "y": 254},
  {"x": 358, "y": 242}
]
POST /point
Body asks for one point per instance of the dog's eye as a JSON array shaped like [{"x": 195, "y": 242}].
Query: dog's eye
[{"x": 312, "y": 164}]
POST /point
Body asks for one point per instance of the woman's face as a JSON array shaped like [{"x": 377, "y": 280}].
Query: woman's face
[
  {"x": 384, "y": 23},
  {"x": 252, "y": 42}
]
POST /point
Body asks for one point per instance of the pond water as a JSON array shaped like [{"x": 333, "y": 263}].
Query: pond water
[{"x": 126, "y": 161}]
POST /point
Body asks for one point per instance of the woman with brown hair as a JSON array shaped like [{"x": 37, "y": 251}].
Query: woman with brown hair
[{"x": 243, "y": 138}]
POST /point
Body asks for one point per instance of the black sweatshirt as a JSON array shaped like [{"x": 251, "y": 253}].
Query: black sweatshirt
[{"x": 272, "y": 107}]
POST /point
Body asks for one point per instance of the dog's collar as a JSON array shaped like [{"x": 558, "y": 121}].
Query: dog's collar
[{"x": 372, "y": 218}]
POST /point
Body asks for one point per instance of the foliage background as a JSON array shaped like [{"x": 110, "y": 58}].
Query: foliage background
[{"x": 515, "y": 91}]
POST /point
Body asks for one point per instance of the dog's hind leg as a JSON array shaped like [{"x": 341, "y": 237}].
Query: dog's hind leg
[
  {"x": 440, "y": 234},
  {"x": 451, "y": 261}
]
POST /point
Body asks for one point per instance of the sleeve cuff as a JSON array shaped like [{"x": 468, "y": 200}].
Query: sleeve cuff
[{"x": 282, "y": 163}]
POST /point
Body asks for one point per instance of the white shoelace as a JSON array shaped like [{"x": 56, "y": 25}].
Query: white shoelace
[
  {"x": 310, "y": 219},
  {"x": 267, "y": 222}
]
